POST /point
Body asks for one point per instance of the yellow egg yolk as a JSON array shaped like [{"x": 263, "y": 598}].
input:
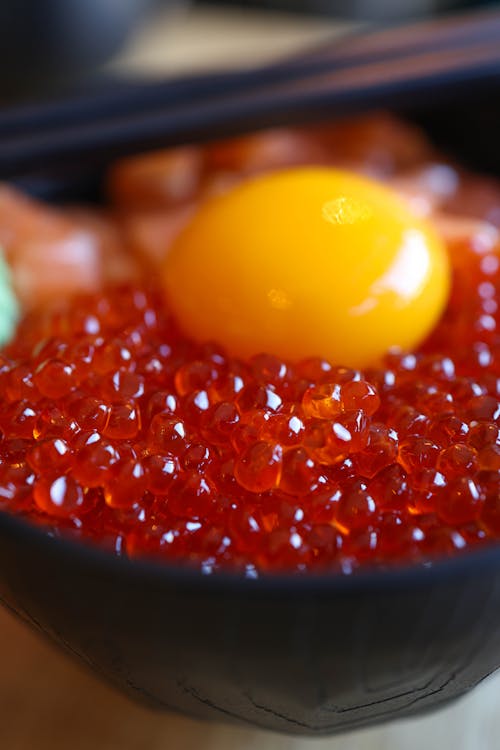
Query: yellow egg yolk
[{"x": 308, "y": 262}]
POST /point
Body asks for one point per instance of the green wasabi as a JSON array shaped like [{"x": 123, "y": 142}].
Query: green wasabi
[{"x": 9, "y": 307}]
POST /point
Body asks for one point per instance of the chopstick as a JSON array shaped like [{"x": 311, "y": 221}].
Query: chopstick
[
  {"x": 372, "y": 66},
  {"x": 462, "y": 29}
]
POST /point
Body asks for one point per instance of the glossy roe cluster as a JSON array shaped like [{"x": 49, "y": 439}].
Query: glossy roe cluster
[{"x": 117, "y": 429}]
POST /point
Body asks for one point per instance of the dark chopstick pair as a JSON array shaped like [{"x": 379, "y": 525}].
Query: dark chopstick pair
[{"x": 361, "y": 68}]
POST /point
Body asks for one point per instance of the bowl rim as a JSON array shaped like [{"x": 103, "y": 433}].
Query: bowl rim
[{"x": 375, "y": 578}]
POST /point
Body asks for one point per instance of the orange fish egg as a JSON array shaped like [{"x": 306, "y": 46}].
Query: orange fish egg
[{"x": 308, "y": 262}]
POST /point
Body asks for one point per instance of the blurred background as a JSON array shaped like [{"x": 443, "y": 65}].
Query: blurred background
[{"x": 51, "y": 46}]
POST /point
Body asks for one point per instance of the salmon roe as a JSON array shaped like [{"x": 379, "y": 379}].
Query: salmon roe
[{"x": 117, "y": 429}]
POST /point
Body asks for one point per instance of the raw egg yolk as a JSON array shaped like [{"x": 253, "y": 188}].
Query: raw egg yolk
[{"x": 308, "y": 262}]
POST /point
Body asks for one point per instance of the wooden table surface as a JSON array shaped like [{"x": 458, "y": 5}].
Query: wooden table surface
[{"x": 47, "y": 702}]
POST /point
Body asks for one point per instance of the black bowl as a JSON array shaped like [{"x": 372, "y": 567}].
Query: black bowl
[{"x": 306, "y": 655}]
